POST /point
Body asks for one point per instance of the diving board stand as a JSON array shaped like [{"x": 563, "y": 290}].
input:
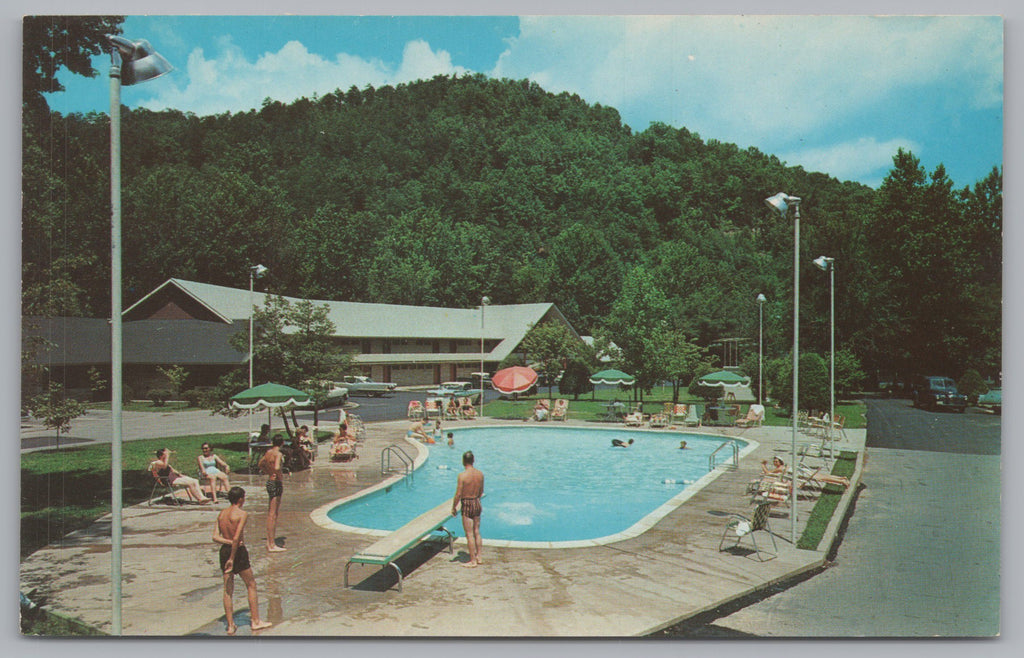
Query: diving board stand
[{"x": 385, "y": 551}]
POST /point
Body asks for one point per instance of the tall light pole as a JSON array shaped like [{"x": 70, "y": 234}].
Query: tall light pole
[
  {"x": 781, "y": 203},
  {"x": 131, "y": 62},
  {"x": 483, "y": 303},
  {"x": 761, "y": 299},
  {"x": 827, "y": 264},
  {"x": 255, "y": 271}
]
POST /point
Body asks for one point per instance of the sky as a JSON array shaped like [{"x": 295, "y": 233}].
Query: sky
[{"x": 837, "y": 94}]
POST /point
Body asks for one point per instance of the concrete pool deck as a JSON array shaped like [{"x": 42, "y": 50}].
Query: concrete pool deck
[{"x": 640, "y": 585}]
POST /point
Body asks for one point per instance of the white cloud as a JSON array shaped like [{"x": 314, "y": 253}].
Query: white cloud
[
  {"x": 746, "y": 78},
  {"x": 866, "y": 159},
  {"x": 228, "y": 82}
]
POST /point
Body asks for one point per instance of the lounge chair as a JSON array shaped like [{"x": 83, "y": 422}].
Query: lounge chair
[
  {"x": 634, "y": 419},
  {"x": 754, "y": 417},
  {"x": 677, "y": 412},
  {"x": 535, "y": 413},
  {"x": 741, "y": 526},
  {"x": 433, "y": 408},
  {"x": 415, "y": 410},
  {"x": 561, "y": 409},
  {"x": 660, "y": 419},
  {"x": 162, "y": 484},
  {"x": 466, "y": 408},
  {"x": 693, "y": 415}
]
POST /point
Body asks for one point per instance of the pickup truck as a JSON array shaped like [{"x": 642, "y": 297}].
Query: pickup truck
[{"x": 361, "y": 385}]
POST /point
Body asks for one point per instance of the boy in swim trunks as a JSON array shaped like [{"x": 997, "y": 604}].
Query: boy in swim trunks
[
  {"x": 272, "y": 464},
  {"x": 234, "y": 559},
  {"x": 468, "y": 491}
]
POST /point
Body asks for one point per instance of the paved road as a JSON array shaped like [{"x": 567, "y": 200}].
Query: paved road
[
  {"x": 95, "y": 425},
  {"x": 920, "y": 556}
]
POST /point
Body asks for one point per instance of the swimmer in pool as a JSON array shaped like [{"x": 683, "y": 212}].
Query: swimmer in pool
[
  {"x": 619, "y": 443},
  {"x": 682, "y": 445},
  {"x": 451, "y": 440}
]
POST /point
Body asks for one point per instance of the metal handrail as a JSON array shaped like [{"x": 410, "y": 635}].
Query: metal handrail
[
  {"x": 407, "y": 461},
  {"x": 735, "y": 455}
]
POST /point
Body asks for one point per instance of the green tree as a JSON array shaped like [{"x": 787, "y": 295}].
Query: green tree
[
  {"x": 550, "y": 345},
  {"x": 176, "y": 376},
  {"x": 292, "y": 345},
  {"x": 575, "y": 379},
  {"x": 814, "y": 381},
  {"x": 682, "y": 359},
  {"x": 56, "y": 409},
  {"x": 638, "y": 317},
  {"x": 52, "y": 42}
]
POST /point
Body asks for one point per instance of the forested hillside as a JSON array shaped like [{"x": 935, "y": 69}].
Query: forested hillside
[{"x": 441, "y": 191}]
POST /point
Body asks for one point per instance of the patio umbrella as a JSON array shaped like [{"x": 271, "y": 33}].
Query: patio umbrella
[
  {"x": 612, "y": 376},
  {"x": 269, "y": 396},
  {"x": 724, "y": 378},
  {"x": 514, "y": 380}
]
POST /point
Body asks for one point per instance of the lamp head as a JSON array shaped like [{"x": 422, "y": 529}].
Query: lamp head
[
  {"x": 782, "y": 201},
  {"x": 761, "y": 299},
  {"x": 485, "y": 301},
  {"x": 258, "y": 270},
  {"x": 824, "y": 263},
  {"x": 138, "y": 60}
]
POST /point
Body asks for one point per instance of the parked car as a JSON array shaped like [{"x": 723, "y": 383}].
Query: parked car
[
  {"x": 336, "y": 397},
  {"x": 458, "y": 390},
  {"x": 454, "y": 388},
  {"x": 935, "y": 392},
  {"x": 993, "y": 400},
  {"x": 362, "y": 385}
]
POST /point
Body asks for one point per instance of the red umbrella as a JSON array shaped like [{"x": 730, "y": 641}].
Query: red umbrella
[{"x": 514, "y": 380}]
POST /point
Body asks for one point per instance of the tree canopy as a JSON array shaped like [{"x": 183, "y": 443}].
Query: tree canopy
[{"x": 444, "y": 190}]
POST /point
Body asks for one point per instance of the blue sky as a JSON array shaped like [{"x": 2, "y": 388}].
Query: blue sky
[{"x": 838, "y": 94}]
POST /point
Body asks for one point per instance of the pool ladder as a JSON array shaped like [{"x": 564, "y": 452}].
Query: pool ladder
[
  {"x": 401, "y": 455},
  {"x": 735, "y": 455}
]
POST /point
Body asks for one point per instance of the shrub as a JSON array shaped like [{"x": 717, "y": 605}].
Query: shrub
[
  {"x": 972, "y": 385},
  {"x": 159, "y": 397}
]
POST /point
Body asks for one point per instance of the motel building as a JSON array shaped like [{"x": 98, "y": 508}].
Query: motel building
[{"x": 189, "y": 324}]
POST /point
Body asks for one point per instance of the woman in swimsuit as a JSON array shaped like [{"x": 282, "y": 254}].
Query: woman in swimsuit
[{"x": 216, "y": 469}]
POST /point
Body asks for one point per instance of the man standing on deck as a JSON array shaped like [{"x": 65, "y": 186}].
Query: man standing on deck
[
  {"x": 272, "y": 464},
  {"x": 468, "y": 492},
  {"x": 234, "y": 559}
]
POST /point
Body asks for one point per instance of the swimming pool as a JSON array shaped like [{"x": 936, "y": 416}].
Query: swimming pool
[{"x": 548, "y": 486}]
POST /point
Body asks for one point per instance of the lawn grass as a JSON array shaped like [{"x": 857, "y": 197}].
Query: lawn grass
[
  {"x": 147, "y": 405},
  {"x": 67, "y": 489},
  {"x": 825, "y": 507},
  {"x": 593, "y": 407}
]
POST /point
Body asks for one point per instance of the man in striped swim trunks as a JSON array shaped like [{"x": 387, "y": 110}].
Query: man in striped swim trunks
[{"x": 468, "y": 491}]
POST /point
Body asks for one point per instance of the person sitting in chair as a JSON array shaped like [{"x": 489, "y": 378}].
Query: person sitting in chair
[
  {"x": 162, "y": 468},
  {"x": 216, "y": 469},
  {"x": 343, "y": 446}
]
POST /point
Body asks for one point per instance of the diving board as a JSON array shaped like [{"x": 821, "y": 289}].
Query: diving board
[{"x": 389, "y": 548}]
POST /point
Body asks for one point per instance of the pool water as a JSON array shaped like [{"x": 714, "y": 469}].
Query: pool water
[{"x": 549, "y": 484}]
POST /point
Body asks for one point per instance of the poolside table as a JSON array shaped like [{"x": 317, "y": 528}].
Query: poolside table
[{"x": 615, "y": 409}]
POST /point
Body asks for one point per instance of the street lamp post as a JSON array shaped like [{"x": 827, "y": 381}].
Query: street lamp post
[
  {"x": 483, "y": 302},
  {"x": 131, "y": 62},
  {"x": 255, "y": 271},
  {"x": 761, "y": 299},
  {"x": 781, "y": 203},
  {"x": 827, "y": 264}
]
